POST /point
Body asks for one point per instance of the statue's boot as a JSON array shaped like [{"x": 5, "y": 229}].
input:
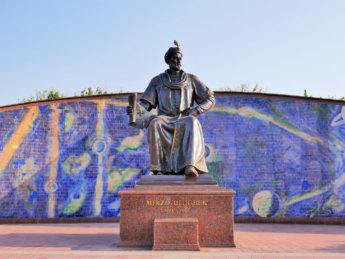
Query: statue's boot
[
  {"x": 157, "y": 173},
  {"x": 190, "y": 172}
]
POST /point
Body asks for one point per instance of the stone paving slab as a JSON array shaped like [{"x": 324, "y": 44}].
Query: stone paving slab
[{"x": 99, "y": 240}]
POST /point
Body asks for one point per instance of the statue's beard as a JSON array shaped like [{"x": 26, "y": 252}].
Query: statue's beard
[{"x": 176, "y": 68}]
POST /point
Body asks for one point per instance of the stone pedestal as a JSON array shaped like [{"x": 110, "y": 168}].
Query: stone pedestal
[
  {"x": 169, "y": 197},
  {"x": 176, "y": 234}
]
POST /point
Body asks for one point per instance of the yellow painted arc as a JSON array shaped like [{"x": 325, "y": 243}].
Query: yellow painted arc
[
  {"x": 53, "y": 159},
  {"x": 308, "y": 195},
  {"x": 118, "y": 103},
  {"x": 99, "y": 180},
  {"x": 100, "y": 124},
  {"x": 250, "y": 112},
  {"x": 17, "y": 137}
]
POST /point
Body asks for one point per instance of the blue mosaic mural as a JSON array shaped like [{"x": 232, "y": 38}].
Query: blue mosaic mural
[{"x": 284, "y": 157}]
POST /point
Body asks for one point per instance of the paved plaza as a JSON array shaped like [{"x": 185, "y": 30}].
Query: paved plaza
[{"x": 99, "y": 240}]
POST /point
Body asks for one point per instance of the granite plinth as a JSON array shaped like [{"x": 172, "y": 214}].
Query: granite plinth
[
  {"x": 176, "y": 234},
  {"x": 210, "y": 204},
  {"x": 175, "y": 180}
]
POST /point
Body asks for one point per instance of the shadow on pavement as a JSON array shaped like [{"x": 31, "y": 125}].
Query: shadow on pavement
[
  {"x": 91, "y": 242},
  {"x": 290, "y": 228},
  {"x": 340, "y": 248}
]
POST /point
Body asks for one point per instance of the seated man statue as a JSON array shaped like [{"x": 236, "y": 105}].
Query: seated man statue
[{"x": 175, "y": 135}]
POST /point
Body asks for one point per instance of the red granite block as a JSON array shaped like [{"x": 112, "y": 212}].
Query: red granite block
[
  {"x": 176, "y": 234},
  {"x": 210, "y": 204}
]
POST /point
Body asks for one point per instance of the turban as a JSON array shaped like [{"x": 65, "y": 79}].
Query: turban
[{"x": 172, "y": 51}]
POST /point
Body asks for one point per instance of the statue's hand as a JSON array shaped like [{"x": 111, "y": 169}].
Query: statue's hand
[
  {"x": 191, "y": 112},
  {"x": 129, "y": 110}
]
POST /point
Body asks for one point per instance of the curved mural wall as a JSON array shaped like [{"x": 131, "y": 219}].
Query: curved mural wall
[{"x": 284, "y": 156}]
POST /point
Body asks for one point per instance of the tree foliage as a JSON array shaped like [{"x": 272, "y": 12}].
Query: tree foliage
[
  {"x": 54, "y": 94},
  {"x": 44, "y": 95},
  {"x": 243, "y": 88},
  {"x": 90, "y": 92},
  {"x": 306, "y": 94}
]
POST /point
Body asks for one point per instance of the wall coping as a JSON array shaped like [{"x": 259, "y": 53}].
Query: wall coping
[{"x": 220, "y": 93}]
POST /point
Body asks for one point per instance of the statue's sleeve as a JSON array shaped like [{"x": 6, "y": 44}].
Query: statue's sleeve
[
  {"x": 150, "y": 94},
  {"x": 143, "y": 117},
  {"x": 203, "y": 96}
]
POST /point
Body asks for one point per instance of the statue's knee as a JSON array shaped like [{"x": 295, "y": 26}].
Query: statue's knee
[{"x": 155, "y": 123}]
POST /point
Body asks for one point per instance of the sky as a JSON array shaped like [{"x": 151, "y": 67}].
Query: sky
[{"x": 284, "y": 46}]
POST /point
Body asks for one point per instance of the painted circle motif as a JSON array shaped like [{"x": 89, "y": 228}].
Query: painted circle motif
[
  {"x": 99, "y": 147},
  {"x": 50, "y": 187},
  {"x": 266, "y": 203}
]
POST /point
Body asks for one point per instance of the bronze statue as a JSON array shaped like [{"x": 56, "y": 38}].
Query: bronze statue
[{"x": 174, "y": 134}]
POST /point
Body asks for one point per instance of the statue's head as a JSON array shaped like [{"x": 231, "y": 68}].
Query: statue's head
[{"x": 173, "y": 57}]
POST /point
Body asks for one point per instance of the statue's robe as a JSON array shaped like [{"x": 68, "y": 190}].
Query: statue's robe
[{"x": 176, "y": 140}]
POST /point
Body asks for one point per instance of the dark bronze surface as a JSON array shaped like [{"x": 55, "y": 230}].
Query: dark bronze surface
[
  {"x": 132, "y": 100},
  {"x": 175, "y": 135}
]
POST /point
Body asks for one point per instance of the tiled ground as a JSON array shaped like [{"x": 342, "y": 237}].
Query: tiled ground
[{"x": 100, "y": 241}]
